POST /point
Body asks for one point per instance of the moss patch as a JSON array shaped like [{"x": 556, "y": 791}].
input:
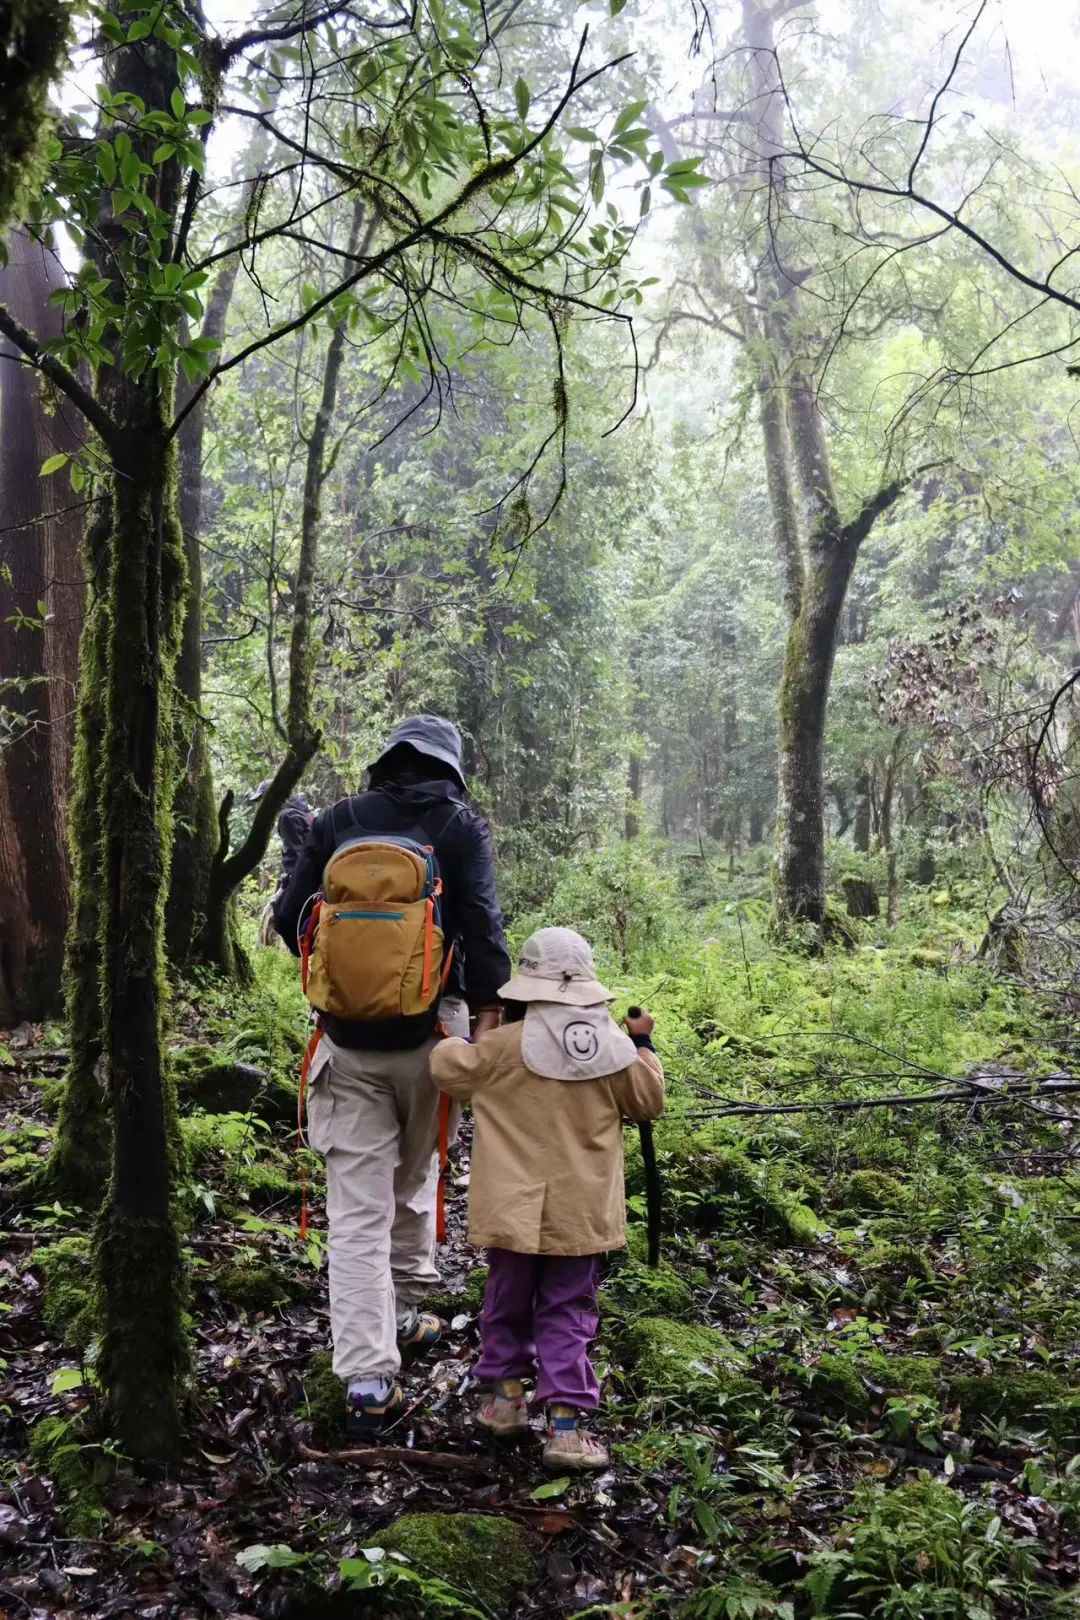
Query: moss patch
[
  {"x": 696, "y": 1366},
  {"x": 875, "y": 1189},
  {"x": 255, "y": 1285},
  {"x": 69, "y": 1295},
  {"x": 264, "y": 1183},
  {"x": 636, "y": 1287},
  {"x": 207, "y": 1079},
  {"x": 470, "y": 1298},
  {"x": 1038, "y": 1400},
  {"x": 324, "y": 1401},
  {"x": 483, "y": 1556},
  {"x": 79, "y": 1471},
  {"x": 902, "y": 1375},
  {"x": 833, "y": 1381}
]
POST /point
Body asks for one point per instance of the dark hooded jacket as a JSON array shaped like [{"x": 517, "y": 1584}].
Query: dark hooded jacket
[
  {"x": 294, "y": 824},
  {"x": 436, "y": 812}
]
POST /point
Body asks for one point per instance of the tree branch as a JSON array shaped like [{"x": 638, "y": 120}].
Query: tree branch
[{"x": 68, "y": 384}]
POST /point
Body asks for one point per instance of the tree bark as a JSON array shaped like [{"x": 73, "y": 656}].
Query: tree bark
[
  {"x": 633, "y": 797},
  {"x": 195, "y": 808},
  {"x": 861, "y": 834},
  {"x": 817, "y": 550},
  {"x": 195, "y": 836},
  {"x": 38, "y": 655},
  {"x": 888, "y": 843}
]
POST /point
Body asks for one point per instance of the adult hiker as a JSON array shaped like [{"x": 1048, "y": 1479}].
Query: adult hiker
[
  {"x": 408, "y": 899},
  {"x": 549, "y": 1093},
  {"x": 293, "y": 826}
]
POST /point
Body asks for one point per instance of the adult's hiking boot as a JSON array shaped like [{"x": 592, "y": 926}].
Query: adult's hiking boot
[
  {"x": 418, "y": 1334},
  {"x": 503, "y": 1412},
  {"x": 569, "y": 1447},
  {"x": 369, "y": 1414}
]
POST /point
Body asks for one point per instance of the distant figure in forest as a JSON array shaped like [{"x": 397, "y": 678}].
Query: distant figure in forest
[
  {"x": 373, "y": 1111},
  {"x": 549, "y": 1092},
  {"x": 293, "y": 826}
]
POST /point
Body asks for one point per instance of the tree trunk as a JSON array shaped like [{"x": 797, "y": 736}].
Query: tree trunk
[
  {"x": 196, "y": 833},
  {"x": 804, "y": 694},
  {"x": 633, "y": 797},
  {"x": 139, "y": 1269},
  {"x": 79, "y": 1165},
  {"x": 38, "y": 656},
  {"x": 862, "y": 813},
  {"x": 888, "y": 845}
]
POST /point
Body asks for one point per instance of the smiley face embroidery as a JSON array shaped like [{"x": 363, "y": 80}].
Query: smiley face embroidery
[{"x": 580, "y": 1042}]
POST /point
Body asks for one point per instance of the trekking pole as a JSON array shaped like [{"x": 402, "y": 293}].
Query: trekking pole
[{"x": 653, "y": 1190}]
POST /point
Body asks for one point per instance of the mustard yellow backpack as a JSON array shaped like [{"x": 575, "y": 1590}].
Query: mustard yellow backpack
[{"x": 373, "y": 946}]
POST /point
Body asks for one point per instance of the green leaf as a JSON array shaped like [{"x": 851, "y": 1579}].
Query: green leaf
[
  {"x": 615, "y": 6},
  {"x": 164, "y": 152},
  {"x": 53, "y": 464},
  {"x": 576, "y": 133},
  {"x": 628, "y": 115},
  {"x": 177, "y": 103},
  {"x": 106, "y": 162},
  {"x": 646, "y": 201},
  {"x": 66, "y": 1379},
  {"x": 553, "y": 1488},
  {"x": 277, "y": 1556},
  {"x": 522, "y": 98},
  {"x": 138, "y": 30}
]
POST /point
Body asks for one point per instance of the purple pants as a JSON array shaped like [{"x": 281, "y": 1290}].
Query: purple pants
[{"x": 540, "y": 1313}]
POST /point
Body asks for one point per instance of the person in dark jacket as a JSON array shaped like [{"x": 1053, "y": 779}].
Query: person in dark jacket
[
  {"x": 372, "y": 1106},
  {"x": 293, "y": 825}
]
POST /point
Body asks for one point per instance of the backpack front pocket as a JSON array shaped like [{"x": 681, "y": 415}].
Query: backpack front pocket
[{"x": 363, "y": 962}]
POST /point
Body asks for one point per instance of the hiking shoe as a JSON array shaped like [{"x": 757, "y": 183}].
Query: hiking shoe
[
  {"x": 418, "y": 1334},
  {"x": 503, "y": 1413},
  {"x": 570, "y": 1447},
  {"x": 367, "y": 1416}
]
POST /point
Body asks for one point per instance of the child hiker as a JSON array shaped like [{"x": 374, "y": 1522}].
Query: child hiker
[{"x": 549, "y": 1092}]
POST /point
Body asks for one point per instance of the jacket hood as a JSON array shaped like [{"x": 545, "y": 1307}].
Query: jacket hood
[{"x": 414, "y": 796}]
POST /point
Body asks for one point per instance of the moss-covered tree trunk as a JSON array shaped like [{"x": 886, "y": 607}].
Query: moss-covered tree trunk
[
  {"x": 143, "y": 1356},
  {"x": 804, "y": 694},
  {"x": 79, "y": 1165},
  {"x": 195, "y": 834}
]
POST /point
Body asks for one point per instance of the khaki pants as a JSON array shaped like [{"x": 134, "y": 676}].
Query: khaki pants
[{"x": 375, "y": 1118}]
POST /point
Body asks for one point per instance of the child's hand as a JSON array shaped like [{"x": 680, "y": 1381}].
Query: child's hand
[{"x": 639, "y": 1021}]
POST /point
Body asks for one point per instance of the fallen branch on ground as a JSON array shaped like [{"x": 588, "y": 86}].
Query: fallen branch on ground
[
  {"x": 971, "y": 1092},
  {"x": 442, "y": 1462}
]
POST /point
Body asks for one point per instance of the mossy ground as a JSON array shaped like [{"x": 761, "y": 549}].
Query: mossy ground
[
  {"x": 63, "y": 1450},
  {"x": 69, "y": 1295},
  {"x": 485, "y": 1557}
]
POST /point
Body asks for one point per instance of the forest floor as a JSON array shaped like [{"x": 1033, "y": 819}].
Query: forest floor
[{"x": 850, "y": 1389}]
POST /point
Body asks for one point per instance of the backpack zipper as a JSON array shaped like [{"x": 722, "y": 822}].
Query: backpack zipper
[{"x": 388, "y": 916}]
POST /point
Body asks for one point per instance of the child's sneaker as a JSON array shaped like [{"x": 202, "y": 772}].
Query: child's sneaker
[
  {"x": 569, "y": 1446},
  {"x": 503, "y": 1412},
  {"x": 370, "y": 1411},
  {"x": 417, "y": 1334}
]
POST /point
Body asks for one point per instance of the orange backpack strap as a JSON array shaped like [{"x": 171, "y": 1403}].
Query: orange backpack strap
[
  {"x": 307, "y": 940},
  {"x": 305, "y": 1070}
]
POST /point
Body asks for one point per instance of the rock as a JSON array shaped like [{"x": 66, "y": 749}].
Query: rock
[
  {"x": 13, "y": 1527},
  {"x": 486, "y": 1558}
]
